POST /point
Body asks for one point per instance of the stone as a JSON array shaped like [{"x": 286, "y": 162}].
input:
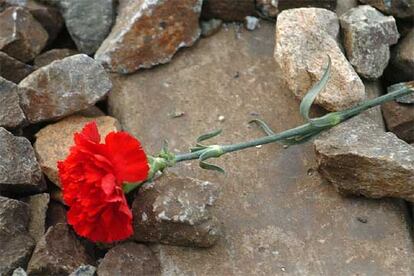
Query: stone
[
  {"x": 54, "y": 141},
  {"x": 16, "y": 245},
  {"x": 304, "y": 38},
  {"x": 402, "y": 60},
  {"x": 63, "y": 88},
  {"x": 397, "y": 8},
  {"x": 21, "y": 36},
  {"x": 368, "y": 35},
  {"x": 148, "y": 33},
  {"x": 345, "y": 5},
  {"x": 175, "y": 210},
  {"x": 210, "y": 27},
  {"x": 38, "y": 205},
  {"x": 400, "y": 119},
  {"x": 359, "y": 158},
  {"x": 20, "y": 172},
  {"x": 129, "y": 259},
  {"x": 278, "y": 216},
  {"x": 19, "y": 272},
  {"x": 88, "y": 22},
  {"x": 267, "y": 8},
  {"x": 251, "y": 23},
  {"x": 11, "y": 115},
  {"x": 13, "y": 70},
  {"x": 56, "y": 213},
  {"x": 374, "y": 89},
  {"x": 58, "y": 253},
  {"x": 228, "y": 10},
  {"x": 92, "y": 111},
  {"x": 84, "y": 270},
  {"x": 270, "y": 8},
  {"x": 55, "y": 54}
]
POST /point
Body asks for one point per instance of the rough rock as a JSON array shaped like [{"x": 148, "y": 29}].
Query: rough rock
[
  {"x": 57, "y": 253},
  {"x": 400, "y": 119},
  {"x": 148, "y": 32},
  {"x": 359, "y": 158},
  {"x": 175, "y": 210},
  {"x": 52, "y": 55},
  {"x": 56, "y": 213},
  {"x": 251, "y": 23},
  {"x": 13, "y": 70},
  {"x": 267, "y": 8},
  {"x": 228, "y": 10},
  {"x": 368, "y": 35},
  {"x": 270, "y": 8},
  {"x": 11, "y": 115},
  {"x": 397, "y": 8},
  {"x": 63, "y": 87},
  {"x": 54, "y": 141},
  {"x": 402, "y": 60},
  {"x": 92, "y": 111},
  {"x": 19, "y": 272},
  {"x": 21, "y": 36},
  {"x": 38, "y": 205},
  {"x": 85, "y": 270},
  {"x": 304, "y": 38},
  {"x": 19, "y": 170},
  {"x": 16, "y": 245},
  {"x": 129, "y": 259},
  {"x": 88, "y": 22},
  {"x": 278, "y": 216},
  {"x": 345, "y": 5},
  {"x": 210, "y": 27}
]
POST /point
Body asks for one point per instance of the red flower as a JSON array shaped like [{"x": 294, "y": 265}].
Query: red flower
[{"x": 92, "y": 177}]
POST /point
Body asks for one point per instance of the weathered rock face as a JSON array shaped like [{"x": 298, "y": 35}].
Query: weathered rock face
[
  {"x": 148, "y": 33},
  {"x": 175, "y": 211},
  {"x": 54, "y": 141},
  {"x": 368, "y": 35},
  {"x": 359, "y": 158},
  {"x": 228, "y": 10},
  {"x": 55, "y": 54},
  {"x": 56, "y": 213},
  {"x": 88, "y": 22},
  {"x": 267, "y": 8},
  {"x": 278, "y": 216},
  {"x": 16, "y": 245},
  {"x": 210, "y": 27},
  {"x": 11, "y": 115},
  {"x": 57, "y": 253},
  {"x": 400, "y": 119},
  {"x": 38, "y": 205},
  {"x": 13, "y": 70},
  {"x": 398, "y": 8},
  {"x": 402, "y": 60},
  {"x": 345, "y": 5},
  {"x": 304, "y": 37},
  {"x": 129, "y": 259},
  {"x": 21, "y": 36},
  {"x": 19, "y": 171},
  {"x": 84, "y": 270},
  {"x": 63, "y": 87}
]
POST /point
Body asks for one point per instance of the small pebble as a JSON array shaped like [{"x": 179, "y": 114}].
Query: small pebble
[
  {"x": 251, "y": 23},
  {"x": 221, "y": 118}
]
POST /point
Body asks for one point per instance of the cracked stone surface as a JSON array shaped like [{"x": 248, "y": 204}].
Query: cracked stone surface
[
  {"x": 277, "y": 214},
  {"x": 304, "y": 37},
  {"x": 11, "y": 115},
  {"x": 148, "y": 33}
]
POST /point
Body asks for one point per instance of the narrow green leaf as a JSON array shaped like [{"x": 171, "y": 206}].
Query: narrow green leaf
[
  {"x": 265, "y": 127},
  {"x": 208, "y": 135}
]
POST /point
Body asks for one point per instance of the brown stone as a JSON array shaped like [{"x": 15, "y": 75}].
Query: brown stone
[
  {"x": 228, "y": 10},
  {"x": 54, "y": 141},
  {"x": 398, "y": 8},
  {"x": 52, "y": 55},
  {"x": 129, "y": 259},
  {"x": 400, "y": 119},
  {"x": 11, "y": 115},
  {"x": 63, "y": 88},
  {"x": 304, "y": 38},
  {"x": 57, "y": 253},
  {"x": 148, "y": 33},
  {"x": 345, "y": 5},
  {"x": 291, "y": 4},
  {"x": 21, "y": 36},
  {"x": 56, "y": 213},
  {"x": 278, "y": 216},
  {"x": 176, "y": 210},
  {"x": 13, "y": 70},
  {"x": 402, "y": 60},
  {"x": 38, "y": 205}
]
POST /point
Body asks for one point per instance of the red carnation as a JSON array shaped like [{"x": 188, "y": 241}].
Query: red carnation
[{"x": 92, "y": 177}]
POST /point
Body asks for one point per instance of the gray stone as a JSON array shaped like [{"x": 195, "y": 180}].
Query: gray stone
[
  {"x": 58, "y": 253},
  {"x": 402, "y": 60},
  {"x": 345, "y": 5},
  {"x": 52, "y": 55},
  {"x": 13, "y": 70},
  {"x": 38, "y": 205},
  {"x": 84, "y": 270},
  {"x": 56, "y": 213},
  {"x": 278, "y": 216},
  {"x": 19, "y": 170},
  {"x": 174, "y": 210},
  {"x": 11, "y": 115},
  {"x": 19, "y": 272},
  {"x": 251, "y": 23},
  {"x": 397, "y": 8},
  {"x": 359, "y": 158},
  {"x": 210, "y": 27},
  {"x": 63, "y": 87},
  {"x": 267, "y": 8},
  {"x": 148, "y": 32},
  {"x": 16, "y": 245},
  {"x": 270, "y": 8},
  {"x": 400, "y": 119},
  {"x": 129, "y": 259},
  {"x": 21, "y": 36},
  {"x": 304, "y": 38},
  {"x": 368, "y": 35},
  {"x": 228, "y": 10}
]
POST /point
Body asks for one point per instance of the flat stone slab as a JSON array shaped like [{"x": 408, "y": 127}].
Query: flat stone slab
[{"x": 278, "y": 216}]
